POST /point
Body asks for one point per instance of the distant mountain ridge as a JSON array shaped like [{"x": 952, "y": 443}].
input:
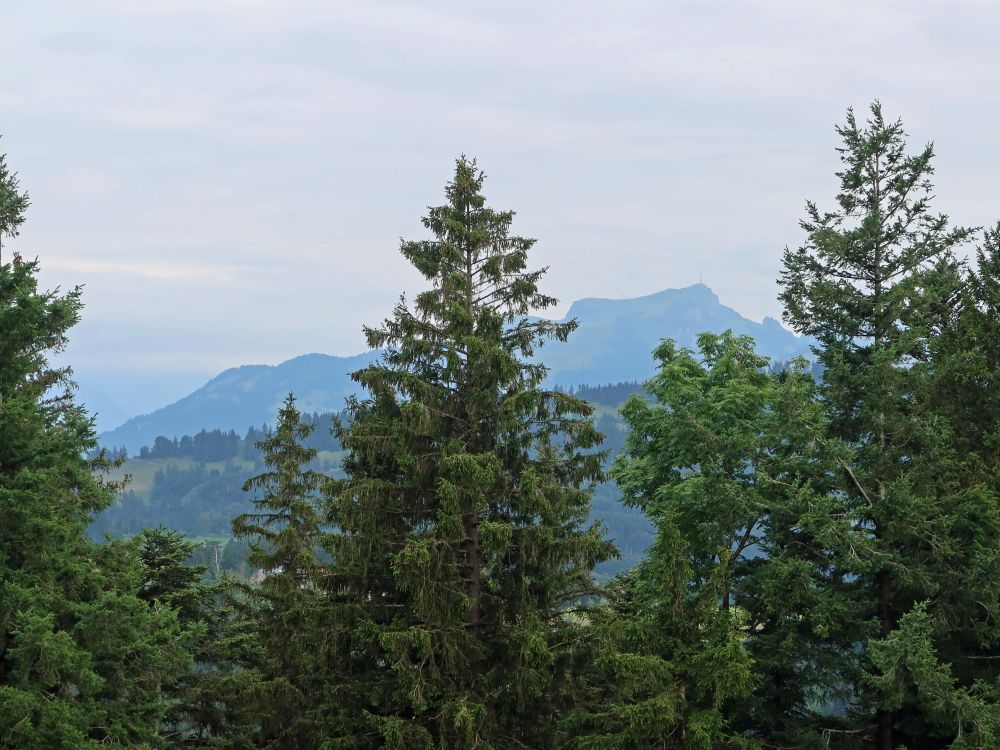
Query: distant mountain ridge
[
  {"x": 613, "y": 343},
  {"x": 616, "y": 337},
  {"x": 246, "y": 396}
]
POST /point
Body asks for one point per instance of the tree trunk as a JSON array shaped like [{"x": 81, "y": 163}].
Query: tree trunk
[
  {"x": 473, "y": 567},
  {"x": 885, "y": 722},
  {"x": 885, "y": 719}
]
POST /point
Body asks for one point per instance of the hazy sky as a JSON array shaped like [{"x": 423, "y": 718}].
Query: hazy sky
[{"x": 230, "y": 179}]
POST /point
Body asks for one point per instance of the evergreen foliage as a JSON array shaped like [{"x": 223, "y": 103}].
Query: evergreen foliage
[
  {"x": 463, "y": 539},
  {"x": 877, "y": 284},
  {"x": 83, "y": 659},
  {"x": 285, "y": 536},
  {"x": 194, "y": 708},
  {"x": 13, "y": 204}
]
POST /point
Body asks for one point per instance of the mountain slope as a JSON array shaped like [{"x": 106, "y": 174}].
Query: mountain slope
[
  {"x": 616, "y": 338},
  {"x": 613, "y": 343},
  {"x": 246, "y": 396}
]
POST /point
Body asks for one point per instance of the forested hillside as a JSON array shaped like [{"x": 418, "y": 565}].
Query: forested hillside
[
  {"x": 195, "y": 484},
  {"x": 736, "y": 554}
]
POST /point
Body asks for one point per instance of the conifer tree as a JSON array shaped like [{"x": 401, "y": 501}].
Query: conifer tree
[
  {"x": 285, "y": 536},
  {"x": 947, "y": 660},
  {"x": 228, "y": 697},
  {"x": 13, "y": 204},
  {"x": 167, "y": 578},
  {"x": 213, "y": 705},
  {"x": 966, "y": 353},
  {"x": 463, "y": 537},
  {"x": 874, "y": 284},
  {"x": 83, "y": 659}
]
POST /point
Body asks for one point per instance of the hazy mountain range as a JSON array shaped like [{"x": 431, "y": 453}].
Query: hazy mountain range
[{"x": 613, "y": 343}]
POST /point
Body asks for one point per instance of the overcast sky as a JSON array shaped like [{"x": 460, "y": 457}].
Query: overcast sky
[{"x": 230, "y": 179}]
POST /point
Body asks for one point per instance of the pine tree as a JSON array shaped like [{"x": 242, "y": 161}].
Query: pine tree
[
  {"x": 167, "y": 578},
  {"x": 463, "y": 539},
  {"x": 13, "y": 203},
  {"x": 210, "y": 705},
  {"x": 874, "y": 284},
  {"x": 285, "y": 534},
  {"x": 83, "y": 659}
]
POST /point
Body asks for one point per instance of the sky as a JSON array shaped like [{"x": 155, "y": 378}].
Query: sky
[{"x": 230, "y": 179}]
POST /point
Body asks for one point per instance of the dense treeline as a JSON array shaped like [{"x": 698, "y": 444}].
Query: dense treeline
[
  {"x": 218, "y": 445},
  {"x": 825, "y": 559},
  {"x": 610, "y": 394},
  {"x": 201, "y": 497},
  {"x": 214, "y": 445},
  {"x": 196, "y": 482}
]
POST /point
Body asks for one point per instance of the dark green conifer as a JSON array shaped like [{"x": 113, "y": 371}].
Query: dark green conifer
[
  {"x": 214, "y": 704},
  {"x": 464, "y": 539},
  {"x": 167, "y": 577},
  {"x": 875, "y": 284},
  {"x": 83, "y": 659},
  {"x": 285, "y": 534},
  {"x": 13, "y": 204}
]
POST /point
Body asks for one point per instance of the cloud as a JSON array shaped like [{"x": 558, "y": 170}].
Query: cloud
[
  {"x": 173, "y": 272},
  {"x": 230, "y": 179}
]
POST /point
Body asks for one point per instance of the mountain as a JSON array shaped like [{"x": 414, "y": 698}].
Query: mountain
[
  {"x": 614, "y": 342},
  {"x": 246, "y": 396},
  {"x": 107, "y": 412},
  {"x": 615, "y": 339}
]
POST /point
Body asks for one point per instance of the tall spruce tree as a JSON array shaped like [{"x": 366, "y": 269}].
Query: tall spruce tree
[
  {"x": 285, "y": 535},
  {"x": 463, "y": 541},
  {"x": 874, "y": 284},
  {"x": 83, "y": 659},
  {"x": 949, "y": 661}
]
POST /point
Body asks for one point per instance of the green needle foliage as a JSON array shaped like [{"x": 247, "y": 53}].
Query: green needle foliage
[
  {"x": 13, "y": 204},
  {"x": 878, "y": 285},
  {"x": 285, "y": 533},
  {"x": 464, "y": 540},
  {"x": 83, "y": 658},
  {"x": 167, "y": 579}
]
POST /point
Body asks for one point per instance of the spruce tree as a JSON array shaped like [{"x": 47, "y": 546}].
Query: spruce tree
[
  {"x": 83, "y": 659},
  {"x": 13, "y": 204},
  {"x": 229, "y": 695},
  {"x": 167, "y": 577},
  {"x": 213, "y": 705},
  {"x": 285, "y": 535},
  {"x": 874, "y": 284},
  {"x": 948, "y": 659},
  {"x": 463, "y": 539}
]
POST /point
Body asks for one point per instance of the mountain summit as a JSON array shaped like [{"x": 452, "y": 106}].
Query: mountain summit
[
  {"x": 616, "y": 337},
  {"x": 613, "y": 343}
]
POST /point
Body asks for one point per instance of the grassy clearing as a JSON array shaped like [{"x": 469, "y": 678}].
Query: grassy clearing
[{"x": 143, "y": 470}]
